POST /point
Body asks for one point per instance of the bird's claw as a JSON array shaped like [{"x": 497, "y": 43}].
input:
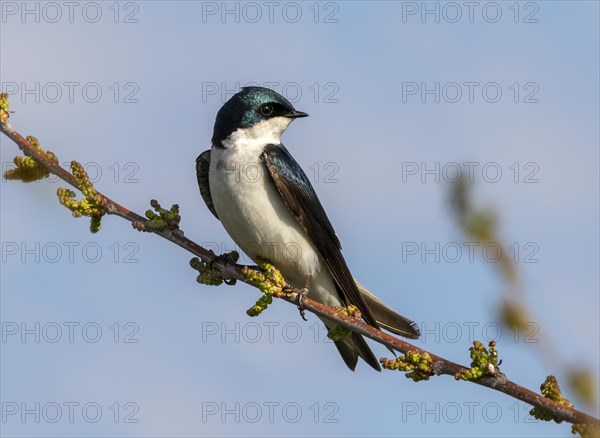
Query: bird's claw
[
  {"x": 228, "y": 258},
  {"x": 300, "y": 300}
]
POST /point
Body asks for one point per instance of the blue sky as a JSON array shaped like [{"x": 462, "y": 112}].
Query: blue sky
[{"x": 200, "y": 366}]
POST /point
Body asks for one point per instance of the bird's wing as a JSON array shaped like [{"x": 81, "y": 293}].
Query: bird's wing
[
  {"x": 303, "y": 203},
  {"x": 202, "y": 172}
]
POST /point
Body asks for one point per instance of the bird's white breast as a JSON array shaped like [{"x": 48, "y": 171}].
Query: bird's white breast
[{"x": 252, "y": 210}]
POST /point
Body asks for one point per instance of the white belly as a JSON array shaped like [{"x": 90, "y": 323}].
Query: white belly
[{"x": 256, "y": 217}]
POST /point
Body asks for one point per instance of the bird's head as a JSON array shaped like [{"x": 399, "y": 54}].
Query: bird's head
[{"x": 257, "y": 111}]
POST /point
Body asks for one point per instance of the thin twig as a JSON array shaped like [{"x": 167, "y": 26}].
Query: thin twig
[{"x": 498, "y": 381}]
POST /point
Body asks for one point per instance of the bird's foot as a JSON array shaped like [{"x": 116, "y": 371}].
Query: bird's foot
[
  {"x": 228, "y": 258},
  {"x": 300, "y": 300},
  {"x": 301, "y": 297}
]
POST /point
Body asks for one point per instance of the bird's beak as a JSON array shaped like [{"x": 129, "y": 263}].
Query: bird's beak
[{"x": 296, "y": 114}]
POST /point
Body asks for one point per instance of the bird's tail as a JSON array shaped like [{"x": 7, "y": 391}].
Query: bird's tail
[
  {"x": 387, "y": 318},
  {"x": 355, "y": 346}
]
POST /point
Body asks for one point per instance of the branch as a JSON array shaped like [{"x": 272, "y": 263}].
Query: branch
[
  {"x": 481, "y": 225},
  {"x": 489, "y": 377}
]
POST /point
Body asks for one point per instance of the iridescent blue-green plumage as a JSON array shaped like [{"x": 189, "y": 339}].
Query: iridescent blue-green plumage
[{"x": 242, "y": 111}]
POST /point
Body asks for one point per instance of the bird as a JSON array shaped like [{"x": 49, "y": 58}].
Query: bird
[{"x": 266, "y": 203}]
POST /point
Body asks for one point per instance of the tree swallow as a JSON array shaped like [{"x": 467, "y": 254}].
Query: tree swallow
[{"x": 253, "y": 185}]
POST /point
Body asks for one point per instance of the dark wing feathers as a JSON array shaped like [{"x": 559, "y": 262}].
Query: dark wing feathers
[
  {"x": 302, "y": 201},
  {"x": 202, "y": 172}
]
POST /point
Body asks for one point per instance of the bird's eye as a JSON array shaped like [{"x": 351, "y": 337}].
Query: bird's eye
[{"x": 266, "y": 110}]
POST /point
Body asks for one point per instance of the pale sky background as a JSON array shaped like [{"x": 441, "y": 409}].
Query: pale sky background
[{"x": 144, "y": 145}]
